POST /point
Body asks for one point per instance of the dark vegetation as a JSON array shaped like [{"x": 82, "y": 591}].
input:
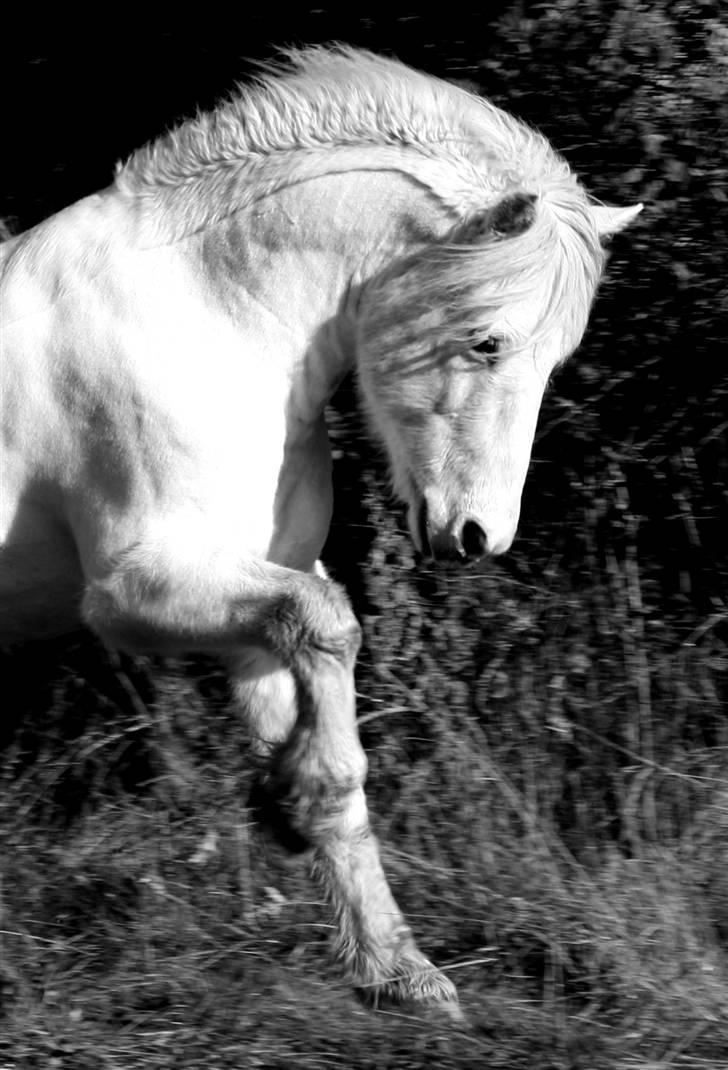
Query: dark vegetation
[{"x": 548, "y": 735}]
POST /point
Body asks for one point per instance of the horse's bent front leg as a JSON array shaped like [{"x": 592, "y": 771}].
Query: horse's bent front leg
[
  {"x": 297, "y": 639},
  {"x": 315, "y": 789}
]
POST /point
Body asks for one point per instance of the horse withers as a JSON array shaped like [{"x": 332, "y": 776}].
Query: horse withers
[{"x": 169, "y": 346}]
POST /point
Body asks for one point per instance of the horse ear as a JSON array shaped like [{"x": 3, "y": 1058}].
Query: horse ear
[
  {"x": 511, "y": 215},
  {"x": 611, "y": 220}
]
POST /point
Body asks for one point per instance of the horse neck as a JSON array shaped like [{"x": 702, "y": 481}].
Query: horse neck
[{"x": 294, "y": 258}]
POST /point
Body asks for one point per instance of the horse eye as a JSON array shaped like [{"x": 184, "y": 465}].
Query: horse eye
[{"x": 489, "y": 347}]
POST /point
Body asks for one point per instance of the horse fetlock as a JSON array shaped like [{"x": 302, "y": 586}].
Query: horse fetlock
[
  {"x": 300, "y": 819},
  {"x": 320, "y": 766},
  {"x": 310, "y": 804}
]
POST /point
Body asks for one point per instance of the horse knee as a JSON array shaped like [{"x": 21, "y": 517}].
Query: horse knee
[
  {"x": 333, "y": 623},
  {"x": 314, "y": 618}
]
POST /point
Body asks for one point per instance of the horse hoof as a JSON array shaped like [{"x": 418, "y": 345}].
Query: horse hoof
[
  {"x": 450, "y": 1010},
  {"x": 416, "y": 987}
]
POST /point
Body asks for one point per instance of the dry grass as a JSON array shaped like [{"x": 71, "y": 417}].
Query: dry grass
[{"x": 564, "y": 857}]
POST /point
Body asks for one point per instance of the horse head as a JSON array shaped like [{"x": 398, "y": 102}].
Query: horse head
[{"x": 456, "y": 344}]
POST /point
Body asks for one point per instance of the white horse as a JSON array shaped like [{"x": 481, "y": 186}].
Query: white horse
[{"x": 169, "y": 346}]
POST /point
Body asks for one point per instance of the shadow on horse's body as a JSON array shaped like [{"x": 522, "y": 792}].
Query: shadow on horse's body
[{"x": 170, "y": 345}]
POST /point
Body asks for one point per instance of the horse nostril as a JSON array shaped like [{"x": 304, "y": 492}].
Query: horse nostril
[{"x": 473, "y": 539}]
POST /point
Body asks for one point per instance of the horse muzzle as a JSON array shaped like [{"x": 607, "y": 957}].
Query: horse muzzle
[{"x": 466, "y": 538}]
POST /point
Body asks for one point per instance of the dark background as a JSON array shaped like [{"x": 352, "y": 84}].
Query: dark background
[{"x": 80, "y": 99}]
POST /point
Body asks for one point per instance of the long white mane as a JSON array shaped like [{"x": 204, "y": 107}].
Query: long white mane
[
  {"x": 346, "y": 100},
  {"x": 328, "y": 109}
]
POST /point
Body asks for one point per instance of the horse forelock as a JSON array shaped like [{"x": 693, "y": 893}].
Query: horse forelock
[
  {"x": 339, "y": 98},
  {"x": 445, "y": 297}
]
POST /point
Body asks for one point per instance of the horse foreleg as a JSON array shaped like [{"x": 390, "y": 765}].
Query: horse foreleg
[
  {"x": 319, "y": 776},
  {"x": 297, "y": 640},
  {"x": 302, "y": 709}
]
